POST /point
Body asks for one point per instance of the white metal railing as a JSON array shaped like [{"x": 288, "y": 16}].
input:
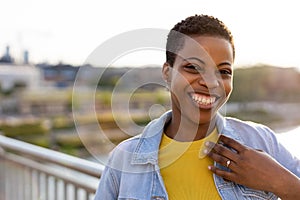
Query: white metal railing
[{"x": 35, "y": 173}]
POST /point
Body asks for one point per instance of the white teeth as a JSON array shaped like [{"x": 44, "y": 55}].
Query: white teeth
[{"x": 204, "y": 100}]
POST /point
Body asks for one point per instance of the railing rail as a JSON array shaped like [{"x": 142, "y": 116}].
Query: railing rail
[{"x": 32, "y": 172}]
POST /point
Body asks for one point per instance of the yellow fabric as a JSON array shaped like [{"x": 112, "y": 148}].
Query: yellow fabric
[{"x": 185, "y": 170}]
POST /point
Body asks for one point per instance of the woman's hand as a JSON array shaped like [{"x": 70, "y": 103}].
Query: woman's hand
[{"x": 253, "y": 168}]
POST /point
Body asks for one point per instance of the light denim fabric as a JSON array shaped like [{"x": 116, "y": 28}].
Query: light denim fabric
[{"x": 132, "y": 171}]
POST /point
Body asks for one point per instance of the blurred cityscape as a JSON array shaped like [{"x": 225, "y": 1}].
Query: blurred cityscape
[{"x": 38, "y": 101}]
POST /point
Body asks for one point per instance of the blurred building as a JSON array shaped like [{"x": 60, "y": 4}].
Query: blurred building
[
  {"x": 58, "y": 76},
  {"x": 14, "y": 76},
  {"x": 7, "y": 58}
]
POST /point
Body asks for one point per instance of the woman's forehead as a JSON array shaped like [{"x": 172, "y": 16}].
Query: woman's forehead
[{"x": 206, "y": 48}]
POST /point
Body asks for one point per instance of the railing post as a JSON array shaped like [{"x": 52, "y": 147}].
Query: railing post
[{"x": 2, "y": 177}]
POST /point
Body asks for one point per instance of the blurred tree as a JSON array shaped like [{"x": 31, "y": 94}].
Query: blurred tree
[{"x": 266, "y": 83}]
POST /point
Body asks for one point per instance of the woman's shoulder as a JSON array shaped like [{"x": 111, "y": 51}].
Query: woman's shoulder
[
  {"x": 122, "y": 153},
  {"x": 253, "y": 134},
  {"x": 236, "y": 123}
]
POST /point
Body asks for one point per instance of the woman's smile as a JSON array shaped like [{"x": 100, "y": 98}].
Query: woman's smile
[{"x": 204, "y": 101}]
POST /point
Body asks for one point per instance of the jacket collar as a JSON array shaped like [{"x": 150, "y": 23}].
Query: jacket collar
[
  {"x": 147, "y": 147},
  {"x": 146, "y": 150}
]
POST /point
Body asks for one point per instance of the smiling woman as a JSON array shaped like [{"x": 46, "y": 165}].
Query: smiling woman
[{"x": 193, "y": 152}]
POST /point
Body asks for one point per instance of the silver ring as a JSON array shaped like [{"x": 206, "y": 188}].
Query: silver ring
[{"x": 228, "y": 163}]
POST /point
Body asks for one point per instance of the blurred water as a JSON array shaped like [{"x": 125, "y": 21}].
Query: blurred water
[{"x": 290, "y": 139}]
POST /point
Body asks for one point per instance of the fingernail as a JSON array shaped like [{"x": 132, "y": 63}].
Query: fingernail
[
  {"x": 205, "y": 151},
  {"x": 207, "y": 144},
  {"x": 209, "y": 167}
]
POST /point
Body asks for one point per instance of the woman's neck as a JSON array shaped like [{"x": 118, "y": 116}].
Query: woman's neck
[{"x": 186, "y": 130}]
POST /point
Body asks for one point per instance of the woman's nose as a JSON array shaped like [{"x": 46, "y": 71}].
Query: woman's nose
[{"x": 209, "y": 80}]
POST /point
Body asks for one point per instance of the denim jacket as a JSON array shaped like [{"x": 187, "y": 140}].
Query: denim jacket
[{"x": 132, "y": 171}]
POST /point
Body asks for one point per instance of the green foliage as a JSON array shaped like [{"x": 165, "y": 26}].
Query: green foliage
[
  {"x": 43, "y": 141},
  {"x": 265, "y": 83},
  {"x": 104, "y": 98},
  {"x": 24, "y": 128},
  {"x": 68, "y": 140},
  {"x": 107, "y": 121},
  {"x": 34, "y": 132},
  {"x": 141, "y": 120},
  {"x": 62, "y": 122}
]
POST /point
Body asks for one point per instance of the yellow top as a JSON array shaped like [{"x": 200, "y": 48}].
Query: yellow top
[{"x": 184, "y": 169}]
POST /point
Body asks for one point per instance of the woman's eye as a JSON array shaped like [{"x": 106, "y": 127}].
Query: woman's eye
[
  {"x": 193, "y": 68},
  {"x": 225, "y": 72},
  {"x": 190, "y": 67}
]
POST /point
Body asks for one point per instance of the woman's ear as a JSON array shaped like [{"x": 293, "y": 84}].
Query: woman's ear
[{"x": 166, "y": 72}]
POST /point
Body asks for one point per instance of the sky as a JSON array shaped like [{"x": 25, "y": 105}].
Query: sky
[{"x": 68, "y": 31}]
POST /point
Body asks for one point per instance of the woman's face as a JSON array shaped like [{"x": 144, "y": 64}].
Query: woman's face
[{"x": 200, "y": 81}]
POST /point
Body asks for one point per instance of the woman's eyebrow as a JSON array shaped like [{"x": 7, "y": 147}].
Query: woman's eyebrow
[
  {"x": 194, "y": 58},
  {"x": 224, "y": 63},
  {"x": 201, "y": 61}
]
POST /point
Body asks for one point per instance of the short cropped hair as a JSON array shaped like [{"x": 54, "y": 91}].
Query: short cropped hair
[{"x": 196, "y": 25}]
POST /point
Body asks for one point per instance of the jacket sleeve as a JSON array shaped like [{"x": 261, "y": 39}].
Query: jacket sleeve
[
  {"x": 108, "y": 186},
  {"x": 261, "y": 137},
  {"x": 283, "y": 155},
  {"x": 288, "y": 160}
]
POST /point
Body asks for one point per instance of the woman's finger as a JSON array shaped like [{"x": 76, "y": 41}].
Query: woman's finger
[
  {"x": 229, "y": 176},
  {"x": 226, "y": 162},
  {"x": 224, "y": 151},
  {"x": 232, "y": 143}
]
